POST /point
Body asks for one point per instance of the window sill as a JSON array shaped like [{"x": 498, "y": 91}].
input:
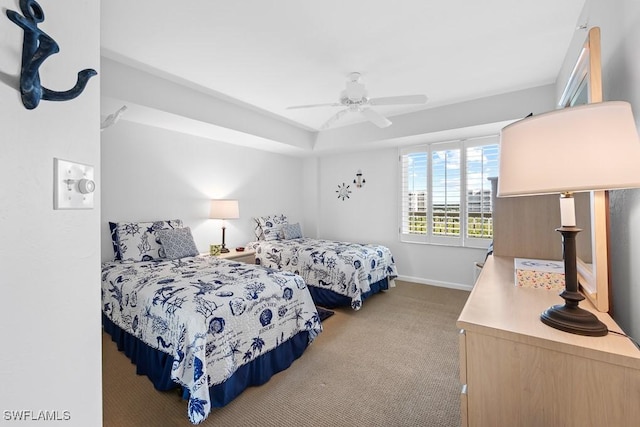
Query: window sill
[{"x": 482, "y": 245}]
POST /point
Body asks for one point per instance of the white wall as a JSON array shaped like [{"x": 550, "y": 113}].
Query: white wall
[
  {"x": 619, "y": 23},
  {"x": 310, "y": 197},
  {"x": 50, "y": 356},
  {"x": 150, "y": 173},
  {"x": 369, "y": 214}
]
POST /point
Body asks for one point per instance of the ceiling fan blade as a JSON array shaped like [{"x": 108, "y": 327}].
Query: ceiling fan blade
[
  {"x": 334, "y": 118},
  {"x": 394, "y": 100},
  {"x": 376, "y": 118},
  {"x": 332, "y": 104}
]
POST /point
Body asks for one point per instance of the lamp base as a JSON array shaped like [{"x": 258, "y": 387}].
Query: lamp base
[
  {"x": 574, "y": 320},
  {"x": 223, "y": 249},
  {"x": 569, "y": 317}
]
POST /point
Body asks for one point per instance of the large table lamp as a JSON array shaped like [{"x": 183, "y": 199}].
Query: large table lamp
[
  {"x": 224, "y": 209},
  {"x": 585, "y": 148}
]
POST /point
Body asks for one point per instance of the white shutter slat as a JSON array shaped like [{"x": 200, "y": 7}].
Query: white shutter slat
[{"x": 414, "y": 176}]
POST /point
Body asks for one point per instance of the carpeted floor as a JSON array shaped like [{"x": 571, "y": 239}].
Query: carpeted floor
[{"x": 393, "y": 363}]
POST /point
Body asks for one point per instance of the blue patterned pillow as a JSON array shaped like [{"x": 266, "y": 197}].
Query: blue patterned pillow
[
  {"x": 178, "y": 243},
  {"x": 138, "y": 241},
  {"x": 257, "y": 230},
  {"x": 273, "y": 233},
  {"x": 113, "y": 228},
  {"x": 268, "y": 221},
  {"x": 292, "y": 231}
]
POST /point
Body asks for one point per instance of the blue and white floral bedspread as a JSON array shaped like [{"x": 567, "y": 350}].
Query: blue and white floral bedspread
[
  {"x": 211, "y": 315},
  {"x": 345, "y": 268}
]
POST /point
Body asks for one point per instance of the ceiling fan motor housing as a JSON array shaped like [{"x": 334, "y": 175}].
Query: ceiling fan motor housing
[{"x": 355, "y": 91}]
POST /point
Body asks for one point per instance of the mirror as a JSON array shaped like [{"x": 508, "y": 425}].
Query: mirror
[{"x": 585, "y": 86}]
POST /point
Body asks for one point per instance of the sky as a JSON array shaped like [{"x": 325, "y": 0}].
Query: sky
[{"x": 446, "y": 167}]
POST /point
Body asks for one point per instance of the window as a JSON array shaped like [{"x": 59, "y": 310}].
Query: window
[{"x": 446, "y": 193}]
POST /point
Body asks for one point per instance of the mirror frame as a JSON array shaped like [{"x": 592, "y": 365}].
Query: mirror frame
[{"x": 587, "y": 75}]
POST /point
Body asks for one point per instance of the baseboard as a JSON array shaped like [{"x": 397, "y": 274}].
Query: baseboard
[{"x": 436, "y": 283}]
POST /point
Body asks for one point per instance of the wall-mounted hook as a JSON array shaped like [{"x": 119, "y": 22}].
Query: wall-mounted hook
[
  {"x": 37, "y": 46},
  {"x": 112, "y": 118}
]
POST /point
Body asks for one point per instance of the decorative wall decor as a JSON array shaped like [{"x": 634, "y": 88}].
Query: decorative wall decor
[
  {"x": 112, "y": 118},
  {"x": 343, "y": 191},
  {"x": 37, "y": 46},
  {"x": 359, "y": 181}
]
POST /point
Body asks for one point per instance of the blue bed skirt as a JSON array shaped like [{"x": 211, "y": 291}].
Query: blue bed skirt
[
  {"x": 330, "y": 299},
  {"x": 156, "y": 364}
]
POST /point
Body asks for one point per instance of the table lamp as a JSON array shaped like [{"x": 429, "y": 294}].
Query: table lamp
[
  {"x": 224, "y": 209},
  {"x": 585, "y": 148}
]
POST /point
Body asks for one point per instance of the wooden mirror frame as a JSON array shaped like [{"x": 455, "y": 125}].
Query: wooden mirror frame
[{"x": 586, "y": 79}]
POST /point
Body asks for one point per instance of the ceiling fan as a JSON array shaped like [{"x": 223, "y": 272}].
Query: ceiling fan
[{"x": 354, "y": 98}]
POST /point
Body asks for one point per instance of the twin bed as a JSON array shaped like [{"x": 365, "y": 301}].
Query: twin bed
[
  {"x": 215, "y": 327},
  {"x": 212, "y": 326},
  {"x": 337, "y": 273}
]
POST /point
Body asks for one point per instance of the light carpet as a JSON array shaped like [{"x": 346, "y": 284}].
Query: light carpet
[{"x": 392, "y": 363}]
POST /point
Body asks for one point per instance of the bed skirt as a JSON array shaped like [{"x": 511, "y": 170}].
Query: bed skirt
[
  {"x": 156, "y": 365},
  {"x": 330, "y": 299}
]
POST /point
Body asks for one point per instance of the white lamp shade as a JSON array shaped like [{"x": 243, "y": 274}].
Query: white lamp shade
[
  {"x": 224, "y": 209},
  {"x": 590, "y": 147}
]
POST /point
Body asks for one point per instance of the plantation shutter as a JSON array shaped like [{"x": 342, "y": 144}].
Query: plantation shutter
[
  {"x": 414, "y": 198},
  {"x": 482, "y": 163},
  {"x": 445, "y": 191}
]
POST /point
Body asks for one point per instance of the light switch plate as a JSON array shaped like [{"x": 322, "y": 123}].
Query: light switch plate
[{"x": 66, "y": 192}]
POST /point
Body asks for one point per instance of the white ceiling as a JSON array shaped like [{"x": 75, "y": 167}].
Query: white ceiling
[{"x": 273, "y": 54}]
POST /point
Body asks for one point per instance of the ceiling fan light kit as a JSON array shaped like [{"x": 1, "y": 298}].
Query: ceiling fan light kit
[{"x": 354, "y": 98}]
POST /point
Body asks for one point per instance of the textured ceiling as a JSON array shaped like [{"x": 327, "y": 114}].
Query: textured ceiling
[{"x": 273, "y": 54}]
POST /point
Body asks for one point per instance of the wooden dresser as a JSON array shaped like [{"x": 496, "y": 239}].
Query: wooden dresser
[{"x": 516, "y": 371}]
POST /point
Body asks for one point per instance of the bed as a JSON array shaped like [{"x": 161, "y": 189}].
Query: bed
[
  {"x": 337, "y": 273},
  {"x": 210, "y": 326}
]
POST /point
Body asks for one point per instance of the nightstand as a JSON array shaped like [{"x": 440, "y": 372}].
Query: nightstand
[{"x": 246, "y": 256}]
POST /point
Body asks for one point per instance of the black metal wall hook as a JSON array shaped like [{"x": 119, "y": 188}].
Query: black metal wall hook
[{"x": 37, "y": 46}]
